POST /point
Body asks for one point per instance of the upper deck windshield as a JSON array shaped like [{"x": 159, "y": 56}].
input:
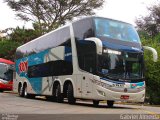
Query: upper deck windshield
[
  {"x": 6, "y": 72},
  {"x": 115, "y": 30}
]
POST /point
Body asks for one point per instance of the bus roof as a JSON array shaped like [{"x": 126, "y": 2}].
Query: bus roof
[
  {"x": 43, "y": 42},
  {"x": 2, "y": 60}
]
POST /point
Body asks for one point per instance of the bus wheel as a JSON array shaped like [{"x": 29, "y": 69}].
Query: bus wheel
[
  {"x": 58, "y": 94},
  {"x": 51, "y": 98},
  {"x": 1, "y": 90},
  {"x": 70, "y": 95},
  {"x": 110, "y": 103},
  {"x": 95, "y": 103},
  {"x": 21, "y": 91}
]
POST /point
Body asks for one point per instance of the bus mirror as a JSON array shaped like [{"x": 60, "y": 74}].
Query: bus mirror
[
  {"x": 155, "y": 55},
  {"x": 98, "y": 43}
]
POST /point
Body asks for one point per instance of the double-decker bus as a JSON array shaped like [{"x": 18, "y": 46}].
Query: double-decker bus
[
  {"x": 6, "y": 74},
  {"x": 92, "y": 58}
]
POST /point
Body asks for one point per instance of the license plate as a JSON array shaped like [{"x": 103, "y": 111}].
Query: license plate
[{"x": 124, "y": 97}]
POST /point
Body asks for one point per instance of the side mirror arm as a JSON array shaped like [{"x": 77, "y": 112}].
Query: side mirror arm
[
  {"x": 155, "y": 54},
  {"x": 98, "y": 43}
]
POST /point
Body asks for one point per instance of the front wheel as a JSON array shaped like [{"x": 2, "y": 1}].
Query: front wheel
[
  {"x": 70, "y": 94},
  {"x": 95, "y": 103},
  {"x": 1, "y": 90},
  {"x": 110, "y": 103}
]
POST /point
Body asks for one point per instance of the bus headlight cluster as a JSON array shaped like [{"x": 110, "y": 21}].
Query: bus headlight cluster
[{"x": 101, "y": 93}]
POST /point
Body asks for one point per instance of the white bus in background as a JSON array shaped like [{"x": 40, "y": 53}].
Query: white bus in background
[{"x": 93, "y": 58}]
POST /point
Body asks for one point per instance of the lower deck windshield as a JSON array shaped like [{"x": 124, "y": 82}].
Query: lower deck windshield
[
  {"x": 6, "y": 72},
  {"x": 124, "y": 66}
]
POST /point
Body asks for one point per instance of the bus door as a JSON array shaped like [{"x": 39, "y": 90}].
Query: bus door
[
  {"x": 86, "y": 85},
  {"x": 86, "y": 52},
  {"x": 87, "y": 75}
]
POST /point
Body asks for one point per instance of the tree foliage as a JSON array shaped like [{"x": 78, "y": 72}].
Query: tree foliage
[
  {"x": 17, "y": 37},
  {"x": 152, "y": 75},
  {"x": 149, "y": 31},
  {"x": 49, "y": 14},
  {"x": 23, "y": 35},
  {"x": 8, "y": 48},
  {"x": 150, "y": 23}
]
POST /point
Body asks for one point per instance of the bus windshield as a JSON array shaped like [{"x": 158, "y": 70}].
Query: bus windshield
[
  {"x": 114, "y": 66},
  {"x": 115, "y": 30},
  {"x": 6, "y": 72}
]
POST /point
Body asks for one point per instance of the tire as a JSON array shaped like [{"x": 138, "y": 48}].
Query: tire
[
  {"x": 70, "y": 94},
  {"x": 25, "y": 92},
  {"x": 21, "y": 91},
  {"x": 31, "y": 96},
  {"x": 95, "y": 103},
  {"x": 110, "y": 103},
  {"x": 59, "y": 97},
  {"x": 51, "y": 98},
  {"x": 1, "y": 90}
]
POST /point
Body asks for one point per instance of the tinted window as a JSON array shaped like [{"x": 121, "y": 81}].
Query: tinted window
[
  {"x": 54, "y": 68},
  {"x": 121, "y": 66},
  {"x": 86, "y": 51},
  {"x": 6, "y": 71},
  {"x": 115, "y": 30}
]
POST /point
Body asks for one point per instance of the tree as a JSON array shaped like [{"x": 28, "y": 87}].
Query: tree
[
  {"x": 152, "y": 75},
  {"x": 49, "y": 14},
  {"x": 22, "y": 35},
  {"x": 151, "y": 23},
  {"x": 149, "y": 30},
  {"x": 15, "y": 37},
  {"x": 8, "y": 48}
]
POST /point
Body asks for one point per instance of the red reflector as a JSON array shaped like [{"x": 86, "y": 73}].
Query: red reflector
[{"x": 124, "y": 97}]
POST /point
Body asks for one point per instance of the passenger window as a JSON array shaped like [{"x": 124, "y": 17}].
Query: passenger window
[{"x": 86, "y": 51}]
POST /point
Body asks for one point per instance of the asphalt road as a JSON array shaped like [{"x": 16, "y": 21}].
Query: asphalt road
[{"x": 14, "y": 107}]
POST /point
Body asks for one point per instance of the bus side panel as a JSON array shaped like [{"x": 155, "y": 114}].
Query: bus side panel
[{"x": 54, "y": 54}]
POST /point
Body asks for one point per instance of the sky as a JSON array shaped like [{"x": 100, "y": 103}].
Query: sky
[{"x": 124, "y": 10}]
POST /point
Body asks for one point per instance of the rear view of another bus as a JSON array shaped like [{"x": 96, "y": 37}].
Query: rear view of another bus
[{"x": 6, "y": 74}]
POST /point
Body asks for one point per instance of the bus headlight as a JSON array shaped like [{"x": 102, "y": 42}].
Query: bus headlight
[{"x": 101, "y": 93}]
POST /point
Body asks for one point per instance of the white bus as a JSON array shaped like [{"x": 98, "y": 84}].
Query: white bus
[{"x": 93, "y": 58}]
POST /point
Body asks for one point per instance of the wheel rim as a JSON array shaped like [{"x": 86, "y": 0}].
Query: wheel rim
[
  {"x": 56, "y": 92},
  {"x": 20, "y": 91},
  {"x": 25, "y": 92}
]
